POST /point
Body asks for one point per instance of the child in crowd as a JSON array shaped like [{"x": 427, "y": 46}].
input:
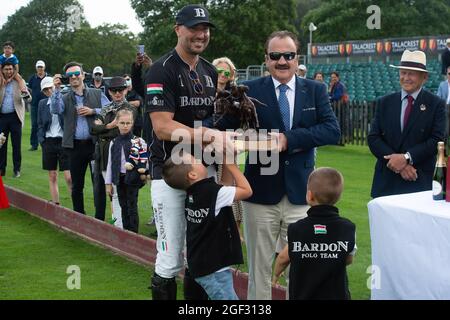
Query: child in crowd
[
  {"x": 212, "y": 238},
  {"x": 50, "y": 133},
  {"x": 321, "y": 245},
  {"x": 8, "y": 55},
  {"x": 128, "y": 182}
]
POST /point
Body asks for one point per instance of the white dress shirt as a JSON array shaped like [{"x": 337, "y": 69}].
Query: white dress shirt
[{"x": 290, "y": 93}]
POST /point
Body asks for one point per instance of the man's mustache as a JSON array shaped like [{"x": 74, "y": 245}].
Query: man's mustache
[{"x": 282, "y": 67}]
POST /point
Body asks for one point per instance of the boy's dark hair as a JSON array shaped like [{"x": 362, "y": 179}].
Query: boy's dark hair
[
  {"x": 326, "y": 184},
  {"x": 7, "y": 63},
  {"x": 175, "y": 173},
  {"x": 72, "y": 64},
  {"x": 9, "y": 43},
  {"x": 335, "y": 73}
]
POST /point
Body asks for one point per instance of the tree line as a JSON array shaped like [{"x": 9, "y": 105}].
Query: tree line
[{"x": 43, "y": 29}]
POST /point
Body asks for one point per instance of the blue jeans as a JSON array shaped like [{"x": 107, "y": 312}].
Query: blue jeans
[{"x": 218, "y": 285}]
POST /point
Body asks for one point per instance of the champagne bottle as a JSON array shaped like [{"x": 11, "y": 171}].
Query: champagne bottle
[{"x": 440, "y": 174}]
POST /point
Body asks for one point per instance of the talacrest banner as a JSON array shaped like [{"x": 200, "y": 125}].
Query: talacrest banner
[{"x": 394, "y": 46}]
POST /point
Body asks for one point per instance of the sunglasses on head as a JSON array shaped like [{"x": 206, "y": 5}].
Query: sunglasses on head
[
  {"x": 226, "y": 73},
  {"x": 286, "y": 55},
  {"x": 74, "y": 73},
  {"x": 198, "y": 87}
]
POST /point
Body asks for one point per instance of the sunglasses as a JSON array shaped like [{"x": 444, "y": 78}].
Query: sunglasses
[
  {"x": 74, "y": 73},
  {"x": 198, "y": 87},
  {"x": 226, "y": 73},
  {"x": 115, "y": 90},
  {"x": 288, "y": 56}
]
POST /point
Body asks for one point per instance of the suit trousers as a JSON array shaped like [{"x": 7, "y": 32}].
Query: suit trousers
[
  {"x": 264, "y": 226},
  {"x": 80, "y": 158},
  {"x": 10, "y": 123}
]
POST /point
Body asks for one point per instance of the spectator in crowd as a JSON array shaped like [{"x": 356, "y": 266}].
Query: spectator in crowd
[
  {"x": 318, "y": 76},
  {"x": 12, "y": 117},
  {"x": 105, "y": 129},
  {"x": 79, "y": 106},
  {"x": 9, "y": 56},
  {"x": 443, "y": 90},
  {"x": 444, "y": 94},
  {"x": 337, "y": 88},
  {"x": 49, "y": 134},
  {"x": 302, "y": 71},
  {"x": 138, "y": 69},
  {"x": 34, "y": 83},
  {"x": 212, "y": 239},
  {"x": 271, "y": 209},
  {"x": 226, "y": 71},
  {"x": 98, "y": 82},
  {"x": 405, "y": 131},
  {"x": 135, "y": 100},
  {"x": 127, "y": 183},
  {"x": 445, "y": 58},
  {"x": 180, "y": 90},
  {"x": 319, "y": 276},
  {"x": 226, "y": 77},
  {"x": 4, "y": 203}
]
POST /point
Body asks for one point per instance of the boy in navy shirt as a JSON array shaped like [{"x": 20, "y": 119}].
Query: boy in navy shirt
[
  {"x": 212, "y": 238},
  {"x": 321, "y": 245}
]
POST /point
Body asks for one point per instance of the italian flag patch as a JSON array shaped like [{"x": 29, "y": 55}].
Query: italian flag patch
[
  {"x": 154, "y": 88},
  {"x": 320, "y": 229}
]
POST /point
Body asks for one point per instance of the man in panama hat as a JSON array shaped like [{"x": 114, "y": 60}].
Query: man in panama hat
[{"x": 405, "y": 131}]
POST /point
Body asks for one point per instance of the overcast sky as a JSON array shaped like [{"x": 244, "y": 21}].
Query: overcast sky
[{"x": 97, "y": 12}]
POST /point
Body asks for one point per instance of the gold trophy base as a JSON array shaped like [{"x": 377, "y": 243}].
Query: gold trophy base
[{"x": 256, "y": 142}]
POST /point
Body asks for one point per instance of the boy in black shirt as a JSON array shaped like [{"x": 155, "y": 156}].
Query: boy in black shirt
[
  {"x": 212, "y": 238},
  {"x": 321, "y": 245}
]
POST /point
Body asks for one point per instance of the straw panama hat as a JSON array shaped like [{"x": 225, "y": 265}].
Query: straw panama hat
[{"x": 413, "y": 60}]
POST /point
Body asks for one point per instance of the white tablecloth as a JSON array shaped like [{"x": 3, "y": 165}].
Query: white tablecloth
[{"x": 410, "y": 236}]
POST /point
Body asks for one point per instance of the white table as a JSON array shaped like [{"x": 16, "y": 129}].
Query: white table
[{"x": 410, "y": 236}]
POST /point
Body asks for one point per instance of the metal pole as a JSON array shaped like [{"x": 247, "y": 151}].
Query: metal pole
[{"x": 310, "y": 47}]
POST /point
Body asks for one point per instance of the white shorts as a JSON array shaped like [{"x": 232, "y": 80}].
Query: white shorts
[{"x": 168, "y": 210}]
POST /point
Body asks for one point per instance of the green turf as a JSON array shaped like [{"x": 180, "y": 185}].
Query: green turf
[
  {"x": 35, "y": 258},
  {"x": 355, "y": 162}
]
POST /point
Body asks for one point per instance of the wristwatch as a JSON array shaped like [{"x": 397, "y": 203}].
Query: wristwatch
[{"x": 407, "y": 157}]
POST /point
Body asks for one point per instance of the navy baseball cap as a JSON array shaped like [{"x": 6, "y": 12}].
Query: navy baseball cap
[{"x": 193, "y": 14}]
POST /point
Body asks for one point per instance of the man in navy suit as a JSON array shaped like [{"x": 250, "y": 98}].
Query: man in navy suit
[
  {"x": 300, "y": 110},
  {"x": 405, "y": 132}
]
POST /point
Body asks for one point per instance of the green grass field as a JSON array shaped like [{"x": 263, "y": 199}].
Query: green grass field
[{"x": 45, "y": 253}]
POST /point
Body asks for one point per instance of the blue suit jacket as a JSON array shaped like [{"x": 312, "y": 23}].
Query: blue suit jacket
[
  {"x": 44, "y": 119},
  {"x": 314, "y": 124},
  {"x": 443, "y": 90},
  {"x": 425, "y": 128}
]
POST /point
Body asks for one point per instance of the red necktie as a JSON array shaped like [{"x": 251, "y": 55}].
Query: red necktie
[{"x": 408, "y": 110}]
